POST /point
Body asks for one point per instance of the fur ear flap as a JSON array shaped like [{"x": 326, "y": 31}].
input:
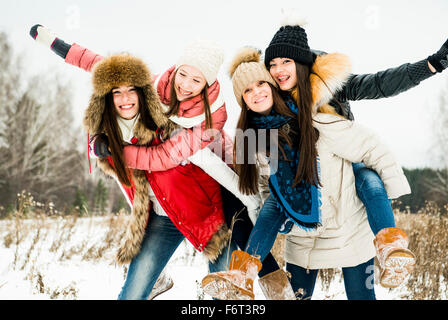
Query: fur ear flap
[
  {"x": 246, "y": 54},
  {"x": 292, "y": 17}
]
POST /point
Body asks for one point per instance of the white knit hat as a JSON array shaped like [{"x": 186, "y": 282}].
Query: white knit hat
[{"x": 205, "y": 55}]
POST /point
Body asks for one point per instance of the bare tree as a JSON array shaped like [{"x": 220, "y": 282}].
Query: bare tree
[
  {"x": 38, "y": 141},
  {"x": 41, "y": 150}
]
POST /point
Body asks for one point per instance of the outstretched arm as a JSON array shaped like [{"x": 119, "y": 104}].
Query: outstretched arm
[
  {"x": 393, "y": 81},
  {"x": 178, "y": 148},
  {"x": 73, "y": 54},
  {"x": 164, "y": 156}
]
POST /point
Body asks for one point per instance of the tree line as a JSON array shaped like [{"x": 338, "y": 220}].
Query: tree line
[{"x": 427, "y": 185}]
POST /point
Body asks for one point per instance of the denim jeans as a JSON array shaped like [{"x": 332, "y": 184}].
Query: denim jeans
[
  {"x": 358, "y": 280},
  {"x": 371, "y": 192},
  {"x": 242, "y": 227},
  {"x": 266, "y": 228},
  {"x": 159, "y": 243}
]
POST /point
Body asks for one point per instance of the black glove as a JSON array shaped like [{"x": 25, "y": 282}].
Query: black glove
[
  {"x": 439, "y": 60},
  {"x": 44, "y": 36},
  {"x": 100, "y": 146}
]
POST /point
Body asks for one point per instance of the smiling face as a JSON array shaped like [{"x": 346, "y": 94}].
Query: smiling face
[
  {"x": 258, "y": 97},
  {"x": 126, "y": 101},
  {"x": 283, "y": 70},
  {"x": 188, "y": 82}
]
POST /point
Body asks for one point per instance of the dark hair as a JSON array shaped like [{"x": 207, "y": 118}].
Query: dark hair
[
  {"x": 110, "y": 126},
  {"x": 247, "y": 169},
  {"x": 307, "y": 169},
  {"x": 174, "y": 103}
]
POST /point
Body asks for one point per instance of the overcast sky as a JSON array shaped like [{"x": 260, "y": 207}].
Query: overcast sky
[{"x": 376, "y": 35}]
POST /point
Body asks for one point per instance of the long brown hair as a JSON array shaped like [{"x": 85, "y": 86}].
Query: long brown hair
[
  {"x": 174, "y": 103},
  {"x": 247, "y": 169},
  {"x": 307, "y": 169},
  {"x": 110, "y": 126}
]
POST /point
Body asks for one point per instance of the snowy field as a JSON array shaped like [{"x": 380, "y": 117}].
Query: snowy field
[{"x": 43, "y": 259}]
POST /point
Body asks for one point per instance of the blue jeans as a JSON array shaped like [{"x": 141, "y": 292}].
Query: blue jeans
[
  {"x": 266, "y": 228},
  {"x": 371, "y": 191},
  {"x": 358, "y": 280},
  {"x": 159, "y": 243}
]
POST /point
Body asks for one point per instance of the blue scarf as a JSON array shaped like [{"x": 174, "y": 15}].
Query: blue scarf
[{"x": 301, "y": 204}]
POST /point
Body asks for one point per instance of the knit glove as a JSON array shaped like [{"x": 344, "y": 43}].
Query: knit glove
[
  {"x": 44, "y": 36},
  {"x": 99, "y": 146},
  {"x": 439, "y": 60}
]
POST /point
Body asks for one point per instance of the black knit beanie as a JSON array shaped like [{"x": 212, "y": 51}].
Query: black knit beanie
[{"x": 289, "y": 42}]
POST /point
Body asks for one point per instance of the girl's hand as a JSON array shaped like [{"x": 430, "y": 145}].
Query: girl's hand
[
  {"x": 439, "y": 60},
  {"x": 44, "y": 36},
  {"x": 100, "y": 146}
]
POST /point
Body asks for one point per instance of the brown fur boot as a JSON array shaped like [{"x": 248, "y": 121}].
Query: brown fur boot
[
  {"x": 238, "y": 282},
  {"x": 396, "y": 260},
  {"x": 163, "y": 284},
  {"x": 276, "y": 286}
]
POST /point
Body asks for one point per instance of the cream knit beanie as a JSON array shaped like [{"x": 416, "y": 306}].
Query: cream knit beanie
[
  {"x": 245, "y": 69},
  {"x": 205, "y": 55}
]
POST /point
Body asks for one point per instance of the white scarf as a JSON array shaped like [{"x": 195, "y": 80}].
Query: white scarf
[
  {"x": 127, "y": 131},
  {"x": 127, "y": 127}
]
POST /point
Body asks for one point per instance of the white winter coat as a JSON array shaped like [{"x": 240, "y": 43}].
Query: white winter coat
[{"x": 345, "y": 238}]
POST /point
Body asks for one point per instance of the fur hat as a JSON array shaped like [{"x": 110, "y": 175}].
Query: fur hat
[
  {"x": 205, "y": 55},
  {"x": 245, "y": 69},
  {"x": 118, "y": 70}
]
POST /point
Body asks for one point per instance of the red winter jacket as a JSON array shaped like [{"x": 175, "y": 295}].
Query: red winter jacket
[{"x": 191, "y": 199}]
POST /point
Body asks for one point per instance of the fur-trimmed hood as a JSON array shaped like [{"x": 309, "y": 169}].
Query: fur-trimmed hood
[{"x": 329, "y": 74}]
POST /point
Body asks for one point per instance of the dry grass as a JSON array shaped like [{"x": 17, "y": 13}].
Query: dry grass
[
  {"x": 38, "y": 240},
  {"x": 428, "y": 240},
  {"x": 31, "y": 234}
]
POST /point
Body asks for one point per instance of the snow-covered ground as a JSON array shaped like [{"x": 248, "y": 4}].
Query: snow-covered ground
[{"x": 34, "y": 270}]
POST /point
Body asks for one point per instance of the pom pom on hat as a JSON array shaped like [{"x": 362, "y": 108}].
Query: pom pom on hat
[
  {"x": 291, "y": 17},
  {"x": 244, "y": 55}
]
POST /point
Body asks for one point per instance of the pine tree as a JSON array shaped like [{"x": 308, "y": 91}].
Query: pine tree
[
  {"x": 38, "y": 143},
  {"x": 101, "y": 197},
  {"x": 80, "y": 202}
]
